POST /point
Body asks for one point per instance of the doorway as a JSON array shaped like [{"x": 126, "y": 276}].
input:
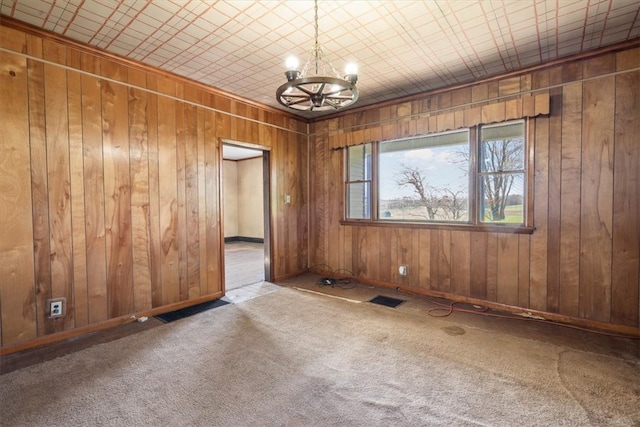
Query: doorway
[{"x": 245, "y": 187}]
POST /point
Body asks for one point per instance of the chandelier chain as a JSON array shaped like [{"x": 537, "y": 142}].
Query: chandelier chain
[{"x": 315, "y": 20}]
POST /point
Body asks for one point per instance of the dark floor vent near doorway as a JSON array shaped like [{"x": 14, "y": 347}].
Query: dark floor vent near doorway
[
  {"x": 386, "y": 301},
  {"x": 172, "y": 316}
]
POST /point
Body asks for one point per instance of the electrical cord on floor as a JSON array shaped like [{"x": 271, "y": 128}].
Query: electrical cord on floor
[
  {"x": 450, "y": 307},
  {"x": 330, "y": 278}
]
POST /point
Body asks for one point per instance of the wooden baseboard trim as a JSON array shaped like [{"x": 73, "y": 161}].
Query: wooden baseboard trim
[
  {"x": 111, "y": 323},
  {"x": 630, "y": 331},
  {"x": 290, "y": 275}
]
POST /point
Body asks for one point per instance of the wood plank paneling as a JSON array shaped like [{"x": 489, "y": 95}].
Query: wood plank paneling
[
  {"x": 441, "y": 260},
  {"x": 39, "y": 194},
  {"x": 460, "y": 263},
  {"x": 318, "y": 202},
  {"x": 596, "y": 199},
  {"x": 507, "y": 269},
  {"x": 168, "y": 200},
  {"x": 202, "y": 204},
  {"x": 192, "y": 206},
  {"x": 570, "y": 199},
  {"x": 625, "y": 268},
  {"x": 346, "y": 267},
  {"x": 524, "y": 285},
  {"x": 280, "y": 225},
  {"x": 402, "y": 238},
  {"x": 537, "y": 281},
  {"x": 17, "y": 301},
  {"x": 291, "y": 183},
  {"x": 181, "y": 188},
  {"x": 384, "y": 254},
  {"x": 492, "y": 266},
  {"x": 140, "y": 225},
  {"x": 424, "y": 280},
  {"x": 414, "y": 258},
  {"x": 554, "y": 201},
  {"x": 94, "y": 198},
  {"x": 76, "y": 164},
  {"x": 155, "y": 237},
  {"x": 212, "y": 168},
  {"x": 117, "y": 190},
  {"x": 58, "y": 180},
  {"x": 478, "y": 265},
  {"x": 302, "y": 213},
  {"x": 371, "y": 240}
]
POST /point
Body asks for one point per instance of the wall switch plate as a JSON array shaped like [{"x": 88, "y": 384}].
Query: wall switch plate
[{"x": 287, "y": 199}]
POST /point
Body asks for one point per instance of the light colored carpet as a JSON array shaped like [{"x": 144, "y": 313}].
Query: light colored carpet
[{"x": 292, "y": 358}]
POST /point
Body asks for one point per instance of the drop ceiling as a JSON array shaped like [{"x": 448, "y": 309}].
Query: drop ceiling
[{"x": 401, "y": 47}]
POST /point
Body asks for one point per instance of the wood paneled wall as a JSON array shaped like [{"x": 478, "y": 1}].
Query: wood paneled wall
[
  {"x": 581, "y": 263},
  {"x": 110, "y": 186}
]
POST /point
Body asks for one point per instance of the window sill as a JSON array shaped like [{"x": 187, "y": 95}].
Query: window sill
[{"x": 487, "y": 228}]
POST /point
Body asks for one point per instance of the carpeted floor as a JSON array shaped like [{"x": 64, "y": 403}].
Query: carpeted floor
[{"x": 294, "y": 357}]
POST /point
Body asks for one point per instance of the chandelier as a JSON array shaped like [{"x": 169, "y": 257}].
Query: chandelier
[{"x": 318, "y": 86}]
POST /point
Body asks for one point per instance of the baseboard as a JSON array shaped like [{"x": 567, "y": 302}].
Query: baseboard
[
  {"x": 111, "y": 323},
  {"x": 243, "y": 239},
  {"x": 630, "y": 331}
]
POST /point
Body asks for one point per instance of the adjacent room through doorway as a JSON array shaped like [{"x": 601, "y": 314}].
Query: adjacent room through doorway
[{"x": 246, "y": 224}]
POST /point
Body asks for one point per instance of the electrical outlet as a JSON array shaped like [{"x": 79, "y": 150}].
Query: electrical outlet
[
  {"x": 56, "y": 307},
  {"x": 402, "y": 270}
]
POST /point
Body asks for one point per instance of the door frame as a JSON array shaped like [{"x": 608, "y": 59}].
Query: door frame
[{"x": 266, "y": 200}]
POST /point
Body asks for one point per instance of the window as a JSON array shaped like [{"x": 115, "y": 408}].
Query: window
[
  {"x": 358, "y": 183},
  {"x": 502, "y": 175},
  {"x": 473, "y": 176},
  {"x": 425, "y": 179}
]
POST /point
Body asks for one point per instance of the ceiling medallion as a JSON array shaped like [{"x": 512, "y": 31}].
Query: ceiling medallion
[{"x": 318, "y": 86}]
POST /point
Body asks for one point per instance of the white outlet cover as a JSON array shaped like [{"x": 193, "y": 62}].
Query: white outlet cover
[
  {"x": 402, "y": 270},
  {"x": 56, "y": 307}
]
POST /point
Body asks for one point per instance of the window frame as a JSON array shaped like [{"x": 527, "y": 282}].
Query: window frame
[
  {"x": 372, "y": 190},
  {"x": 474, "y": 223},
  {"x": 480, "y": 173}
]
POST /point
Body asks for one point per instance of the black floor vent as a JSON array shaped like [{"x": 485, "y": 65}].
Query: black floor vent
[
  {"x": 387, "y": 301},
  {"x": 172, "y": 316}
]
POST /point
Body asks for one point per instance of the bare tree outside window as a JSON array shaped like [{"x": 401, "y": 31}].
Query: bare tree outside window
[
  {"x": 455, "y": 203},
  {"x": 450, "y": 204},
  {"x": 500, "y": 157},
  {"x": 413, "y": 177},
  {"x": 501, "y": 171}
]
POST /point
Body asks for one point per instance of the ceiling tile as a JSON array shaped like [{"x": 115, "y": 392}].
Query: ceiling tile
[{"x": 401, "y": 47}]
